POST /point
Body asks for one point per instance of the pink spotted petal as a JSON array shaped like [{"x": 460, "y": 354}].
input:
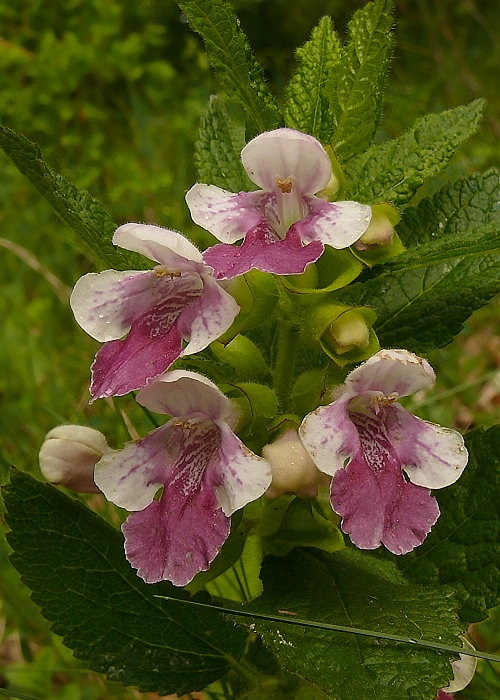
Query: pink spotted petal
[
  {"x": 380, "y": 507},
  {"x": 167, "y": 247},
  {"x": 206, "y": 320},
  {"x": 443, "y": 696},
  {"x": 228, "y": 216},
  {"x": 391, "y": 372},
  {"x": 431, "y": 455},
  {"x": 245, "y": 476},
  {"x": 121, "y": 366},
  {"x": 337, "y": 224},
  {"x": 175, "y": 538},
  {"x": 262, "y": 252},
  {"x": 330, "y": 436},
  {"x": 185, "y": 395},
  {"x": 285, "y": 153},
  {"x": 105, "y": 304},
  {"x": 131, "y": 477}
]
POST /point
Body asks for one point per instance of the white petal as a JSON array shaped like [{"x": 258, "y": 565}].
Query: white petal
[
  {"x": 432, "y": 456},
  {"x": 212, "y": 316},
  {"x": 106, "y": 303},
  {"x": 285, "y": 153},
  {"x": 228, "y": 216},
  {"x": 131, "y": 477},
  {"x": 185, "y": 394},
  {"x": 166, "y": 247},
  {"x": 245, "y": 476},
  {"x": 338, "y": 224},
  {"x": 392, "y": 372},
  {"x": 329, "y": 435}
]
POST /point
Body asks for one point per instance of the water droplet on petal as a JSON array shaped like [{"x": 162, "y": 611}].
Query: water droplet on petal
[{"x": 101, "y": 315}]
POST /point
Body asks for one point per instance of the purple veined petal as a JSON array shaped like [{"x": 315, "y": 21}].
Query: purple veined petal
[
  {"x": 391, "y": 372},
  {"x": 131, "y": 477},
  {"x": 443, "y": 696},
  {"x": 173, "y": 539},
  {"x": 431, "y": 455},
  {"x": 244, "y": 475},
  {"x": 153, "y": 343},
  {"x": 105, "y": 304},
  {"x": 181, "y": 534},
  {"x": 380, "y": 507},
  {"x": 337, "y": 224},
  {"x": 121, "y": 366},
  {"x": 185, "y": 394},
  {"x": 260, "y": 251},
  {"x": 208, "y": 319},
  {"x": 167, "y": 247},
  {"x": 330, "y": 436},
  {"x": 286, "y": 153},
  {"x": 228, "y": 216}
]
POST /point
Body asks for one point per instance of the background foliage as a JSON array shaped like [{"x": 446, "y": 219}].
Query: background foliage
[{"x": 113, "y": 92}]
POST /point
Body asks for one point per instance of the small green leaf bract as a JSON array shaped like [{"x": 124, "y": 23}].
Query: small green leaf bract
[
  {"x": 229, "y": 53},
  {"x": 73, "y": 561},
  {"x": 354, "y": 589},
  {"x": 77, "y": 208},
  {"x": 463, "y": 548},
  {"x": 393, "y": 171}
]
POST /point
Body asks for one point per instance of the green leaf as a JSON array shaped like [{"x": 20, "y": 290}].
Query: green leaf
[
  {"x": 218, "y": 150},
  {"x": 463, "y": 548},
  {"x": 230, "y": 54},
  {"x": 357, "y": 84},
  {"x": 351, "y": 589},
  {"x": 423, "y": 299},
  {"x": 73, "y": 561},
  {"x": 307, "y": 108},
  {"x": 393, "y": 171},
  {"x": 77, "y": 208},
  {"x": 458, "y": 206}
]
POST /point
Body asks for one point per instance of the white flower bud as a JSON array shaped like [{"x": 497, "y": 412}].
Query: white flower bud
[
  {"x": 292, "y": 469},
  {"x": 463, "y": 670},
  {"x": 69, "y": 454}
]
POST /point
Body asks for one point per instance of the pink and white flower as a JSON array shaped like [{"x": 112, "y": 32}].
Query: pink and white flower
[
  {"x": 179, "y": 300},
  {"x": 201, "y": 470},
  {"x": 383, "y": 460},
  {"x": 463, "y": 672},
  {"x": 284, "y": 225}
]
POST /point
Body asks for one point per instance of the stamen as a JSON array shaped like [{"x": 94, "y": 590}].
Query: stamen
[
  {"x": 163, "y": 272},
  {"x": 284, "y": 185}
]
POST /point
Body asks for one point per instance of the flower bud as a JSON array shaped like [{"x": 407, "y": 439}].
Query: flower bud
[
  {"x": 292, "y": 469},
  {"x": 349, "y": 331},
  {"x": 379, "y": 232},
  {"x": 463, "y": 670},
  {"x": 69, "y": 454}
]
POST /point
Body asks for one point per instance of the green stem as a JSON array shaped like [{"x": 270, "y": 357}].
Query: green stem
[{"x": 284, "y": 363}]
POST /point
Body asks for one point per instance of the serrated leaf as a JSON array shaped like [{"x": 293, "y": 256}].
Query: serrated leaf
[
  {"x": 393, "y": 171},
  {"x": 423, "y": 299},
  {"x": 73, "y": 561},
  {"x": 458, "y": 206},
  {"x": 350, "y": 588},
  {"x": 218, "y": 148},
  {"x": 357, "y": 85},
  {"x": 77, "y": 208},
  {"x": 308, "y": 108},
  {"x": 463, "y": 548},
  {"x": 230, "y": 54}
]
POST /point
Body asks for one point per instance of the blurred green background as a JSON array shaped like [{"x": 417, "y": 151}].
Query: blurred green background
[{"x": 112, "y": 91}]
